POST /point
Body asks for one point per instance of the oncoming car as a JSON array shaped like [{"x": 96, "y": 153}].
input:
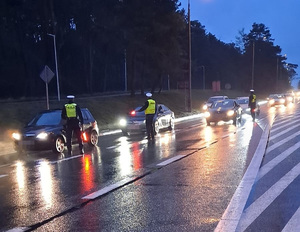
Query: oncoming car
[
  {"x": 135, "y": 121},
  {"x": 46, "y": 131},
  {"x": 276, "y": 99},
  {"x": 224, "y": 110},
  {"x": 211, "y": 100}
]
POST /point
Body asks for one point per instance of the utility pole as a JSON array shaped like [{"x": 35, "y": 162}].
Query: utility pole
[{"x": 189, "y": 102}]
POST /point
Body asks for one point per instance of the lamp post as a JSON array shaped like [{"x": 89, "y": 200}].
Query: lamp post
[
  {"x": 253, "y": 55},
  {"x": 189, "y": 103},
  {"x": 56, "y": 66},
  {"x": 203, "y": 67}
]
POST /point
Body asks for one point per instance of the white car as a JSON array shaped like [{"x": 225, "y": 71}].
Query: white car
[
  {"x": 244, "y": 103},
  {"x": 211, "y": 100}
]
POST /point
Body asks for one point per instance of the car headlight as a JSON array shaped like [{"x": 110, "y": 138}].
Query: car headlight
[
  {"x": 204, "y": 107},
  {"x": 282, "y": 100},
  {"x": 42, "y": 136},
  {"x": 207, "y": 114},
  {"x": 123, "y": 122},
  {"x": 230, "y": 113},
  {"x": 290, "y": 98},
  {"x": 271, "y": 102},
  {"x": 16, "y": 136}
]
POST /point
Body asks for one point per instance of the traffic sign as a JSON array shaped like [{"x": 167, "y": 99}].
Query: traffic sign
[{"x": 47, "y": 74}]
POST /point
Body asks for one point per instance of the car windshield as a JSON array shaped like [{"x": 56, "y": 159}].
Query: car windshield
[
  {"x": 46, "y": 119},
  {"x": 225, "y": 103},
  {"x": 213, "y": 99},
  {"x": 243, "y": 101}
]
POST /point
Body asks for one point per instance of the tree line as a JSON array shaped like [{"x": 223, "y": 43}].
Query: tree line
[{"x": 133, "y": 45}]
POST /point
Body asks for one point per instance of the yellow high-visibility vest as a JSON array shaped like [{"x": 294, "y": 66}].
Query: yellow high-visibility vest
[
  {"x": 253, "y": 98},
  {"x": 71, "y": 110},
  {"x": 151, "y": 107}
]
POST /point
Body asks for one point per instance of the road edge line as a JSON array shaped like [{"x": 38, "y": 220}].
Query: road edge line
[{"x": 234, "y": 210}]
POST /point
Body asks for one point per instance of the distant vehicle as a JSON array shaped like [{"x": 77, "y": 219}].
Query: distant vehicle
[
  {"x": 224, "y": 110},
  {"x": 244, "y": 103},
  {"x": 46, "y": 131},
  {"x": 289, "y": 97},
  {"x": 276, "y": 100},
  {"x": 135, "y": 121},
  {"x": 211, "y": 100}
]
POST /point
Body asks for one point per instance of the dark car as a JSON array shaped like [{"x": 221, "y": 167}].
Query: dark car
[
  {"x": 46, "y": 131},
  {"x": 224, "y": 110},
  {"x": 211, "y": 100},
  {"x": 276, "y": 100},
  {"x": 135, "y": 121}
]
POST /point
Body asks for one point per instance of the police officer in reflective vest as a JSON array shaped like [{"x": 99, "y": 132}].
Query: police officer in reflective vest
[
  {"x": 252, "y": 103},
  {"x": 72, "y": 113},
  {"x": 150, "y": 111}
]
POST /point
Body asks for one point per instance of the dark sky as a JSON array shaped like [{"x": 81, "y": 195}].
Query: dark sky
[{"x": 225, "y": 18}]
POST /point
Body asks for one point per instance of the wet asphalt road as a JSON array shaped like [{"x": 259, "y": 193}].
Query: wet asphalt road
[{"x": 128, "y": 184}]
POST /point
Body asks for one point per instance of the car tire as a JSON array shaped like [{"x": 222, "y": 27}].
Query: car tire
[
  {"x": 93, "y": 138},
  {"x": 234, "y": 121},
  {"x": 59, "y": 145},
  {"x": 156, "y": 127},
  {"x": 172, "y": 125}
]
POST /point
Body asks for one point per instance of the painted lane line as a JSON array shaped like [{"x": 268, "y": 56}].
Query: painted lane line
[
  {"x": 271, "y": 164},
  {"x": 234, "y": 210},
  {"x": 65, "y": 159},
  {"x": 293, "y": 223},
  {"x": 257, "y": 207},
  {"x": 112, "y": 147},
  {"x": 1, "y": 176},
  {"x": 171, "y": 160},
  {"x": 283, "y": 132},
  {"x": 108, "y": 189},
  {"x": 18, "y": 229},
  {"x": 284, "y": 125},
  {"x": 278, "y": 144}
]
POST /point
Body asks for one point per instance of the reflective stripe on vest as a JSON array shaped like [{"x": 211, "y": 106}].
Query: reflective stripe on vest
[
  {"x": 151, "y": 107},
  {"x": 253, "y": 98},
  {"x": 71, "y": 110}
]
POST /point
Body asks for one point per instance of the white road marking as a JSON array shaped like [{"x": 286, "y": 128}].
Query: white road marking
[
  {"x": 18, "y": 229},
  {"x": 112, "y": 147},
  {"x": 271, "y": 164},
  {"x": 293, "y": 223},
  {"x": 234, "y": 210},
  {"x": 108, "y": 189},
  {"x": 284, "y": 125},
  {"x": 1, "y": 176},
  {"x": 257, "y": 207},
  {"x": 171, "y": 160},
  {"x": 278, "y": 144},
  {"x": 65, "y": 159},
  {"x": 283, "y": 132}
]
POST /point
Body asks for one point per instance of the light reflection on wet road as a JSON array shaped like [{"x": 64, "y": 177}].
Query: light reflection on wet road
[{"x": 40, "y": 186}]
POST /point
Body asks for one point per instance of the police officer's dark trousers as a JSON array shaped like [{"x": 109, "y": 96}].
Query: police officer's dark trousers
[
  {"x": 73, "y": 127},
  {"x": 149, "y": 125}
]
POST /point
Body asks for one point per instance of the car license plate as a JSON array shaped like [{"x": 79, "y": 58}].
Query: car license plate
[
  {"x": 27, "y": 143},
  {"x": 133, "y": 127}
]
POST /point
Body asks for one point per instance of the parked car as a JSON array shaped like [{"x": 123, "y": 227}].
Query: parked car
[
  {"x": 244, "y": 103},
  {"x": 224, "y": 110},
  {"x": 135, "y": 121},
  {"x": 276, "y": 99},
  {"x": 46, "y": 131},
  {"x": 211, "y": 100}
]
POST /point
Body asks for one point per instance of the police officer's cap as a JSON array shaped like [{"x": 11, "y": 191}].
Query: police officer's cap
[
  {"x": 70, "y": 96},
  {"x": 251, "y": 90},
  {"x": 148, "y": 94}
]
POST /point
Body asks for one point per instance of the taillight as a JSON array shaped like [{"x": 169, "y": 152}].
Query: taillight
[
  {"x": 84, "y": 137},
  {"x": 133, "y": 113}
]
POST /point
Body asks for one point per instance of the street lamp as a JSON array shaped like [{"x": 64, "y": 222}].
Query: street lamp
[
  {"x": 189, "y": 106},
  {"x": 57, "y": 79},
  {"x": 253, "y": 55},
  {"x": 202, "y": 66}
]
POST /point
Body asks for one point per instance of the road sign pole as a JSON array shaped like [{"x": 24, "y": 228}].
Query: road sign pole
[{"x": 47, "y": 96}]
